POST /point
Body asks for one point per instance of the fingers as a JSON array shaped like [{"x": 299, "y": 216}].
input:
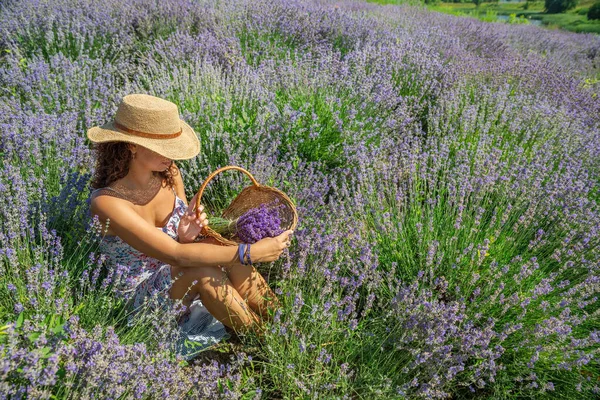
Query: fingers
[
  {"x": 192, "y": 210},
  {"x": 286, "y": 234},
  {"x": 200, "y": 220},
  {"x": 193, "y": 201},
  {"x": 285, "y": 239},
  {"x": 191, "y": 217}
]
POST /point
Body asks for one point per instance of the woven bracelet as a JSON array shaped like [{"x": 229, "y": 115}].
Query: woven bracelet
[
  {"x": 241, "y": 250},
  {"x": 247, "y": 256}
]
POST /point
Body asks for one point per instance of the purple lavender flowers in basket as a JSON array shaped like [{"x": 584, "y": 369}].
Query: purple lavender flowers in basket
[
  {"x": 252, "y": 226},
  {"x": 258, "y": 223}
]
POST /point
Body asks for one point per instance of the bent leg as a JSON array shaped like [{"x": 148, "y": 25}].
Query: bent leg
[
  {"x": 252, "y": 286},
  {"x": 217, "y": 293}
]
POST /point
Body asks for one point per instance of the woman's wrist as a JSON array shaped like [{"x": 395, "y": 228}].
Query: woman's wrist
[
  {"x": 244, "y": 256},
  {"x": 241, "y": 252},
  {"x": 247, "y": 258}
]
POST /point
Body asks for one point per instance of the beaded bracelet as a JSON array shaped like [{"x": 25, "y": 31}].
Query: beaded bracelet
[
  {"x": 247, "y": 256},
  {"x": 241, "y": 250}
]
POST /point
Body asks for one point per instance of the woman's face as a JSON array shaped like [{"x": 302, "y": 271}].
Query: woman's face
[{"x": 150, "y": 159}]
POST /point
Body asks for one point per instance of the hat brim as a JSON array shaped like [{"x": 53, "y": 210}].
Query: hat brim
[{"x": 183, "y": 147}]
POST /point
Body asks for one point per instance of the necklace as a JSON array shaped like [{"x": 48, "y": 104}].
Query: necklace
[{"x": 139, "y": 196}]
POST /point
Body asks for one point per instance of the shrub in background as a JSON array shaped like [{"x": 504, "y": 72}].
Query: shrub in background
[
  {"x": 594, "y": 11},
  {"x": 559, "y": 6}
]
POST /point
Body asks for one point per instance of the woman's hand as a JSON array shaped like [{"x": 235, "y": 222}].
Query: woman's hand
[
  {"x": 190, "y": 225},
  {"x": 269, "y": 249}
]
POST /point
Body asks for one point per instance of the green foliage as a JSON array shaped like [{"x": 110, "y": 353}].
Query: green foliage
[
  {"x": 594, "y": 11},
  {"x": 585, "y": 28},
  {"x": 513, "y": 19},
  {"x": 490, "y": 15},
  {"x": 571, "y": 22},
  {"x": 559, "y": 6},
  {"x": 315, "y": 140},
  {"x": 575, "y": 21},
  {"x": 258, "y": 46}
]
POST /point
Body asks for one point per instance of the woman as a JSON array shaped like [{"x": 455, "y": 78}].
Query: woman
[{"x": 138, "y": 189}]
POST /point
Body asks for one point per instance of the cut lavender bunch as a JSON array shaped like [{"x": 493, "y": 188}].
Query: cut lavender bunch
[
  {"x": 258, "y": 223},
  {"x": 254, "y": 225}
]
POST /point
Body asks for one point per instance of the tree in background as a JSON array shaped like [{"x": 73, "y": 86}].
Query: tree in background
[
  {"x": 558, "y": 6},
  {"x": 477, "y": 2},
  {"x": 594, "y": 11}
]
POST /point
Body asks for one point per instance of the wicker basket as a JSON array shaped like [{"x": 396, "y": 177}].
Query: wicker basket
[{"x": 250, "y": 197}]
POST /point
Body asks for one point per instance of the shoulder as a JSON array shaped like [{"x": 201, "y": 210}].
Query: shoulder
[
  {"x": 104, "y": 199},
  {"x": 103, "y": 195},
  {"x": 121, "y": 219}
]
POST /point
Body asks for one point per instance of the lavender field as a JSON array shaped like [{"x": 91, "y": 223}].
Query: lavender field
[{"x": 446, "y": 174}]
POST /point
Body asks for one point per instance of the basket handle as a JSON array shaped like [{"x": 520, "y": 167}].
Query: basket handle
[{"x": 212, "y": 175}]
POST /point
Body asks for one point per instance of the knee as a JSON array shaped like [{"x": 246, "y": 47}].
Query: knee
[
  {"x": 255, "y": 289},
  {"x": 214, "y": 288}
]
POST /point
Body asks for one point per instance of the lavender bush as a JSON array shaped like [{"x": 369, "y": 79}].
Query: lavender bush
[{"x": 445, "y": 173}]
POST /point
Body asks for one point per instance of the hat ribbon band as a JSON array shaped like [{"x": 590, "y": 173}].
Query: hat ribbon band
[{"x": 148, "y": 135}]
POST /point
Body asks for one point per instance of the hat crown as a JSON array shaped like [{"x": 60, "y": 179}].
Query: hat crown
[{"x": 148, "y": 114}]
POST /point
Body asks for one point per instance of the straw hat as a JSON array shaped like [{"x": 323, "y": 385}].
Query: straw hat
[{"x": 151, "y": 122}]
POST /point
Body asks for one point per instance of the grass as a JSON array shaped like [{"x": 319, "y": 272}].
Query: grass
[
  {"x": 574, "y": 20},
  {"x": 571, "y": 22}
]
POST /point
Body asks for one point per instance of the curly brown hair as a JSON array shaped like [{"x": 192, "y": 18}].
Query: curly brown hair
[{"x": 112, "y": 163}]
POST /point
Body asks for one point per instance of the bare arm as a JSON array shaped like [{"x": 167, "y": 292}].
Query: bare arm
[
  {"x": 192, "y": 221},
  {"x": 142, "y": 236}
]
